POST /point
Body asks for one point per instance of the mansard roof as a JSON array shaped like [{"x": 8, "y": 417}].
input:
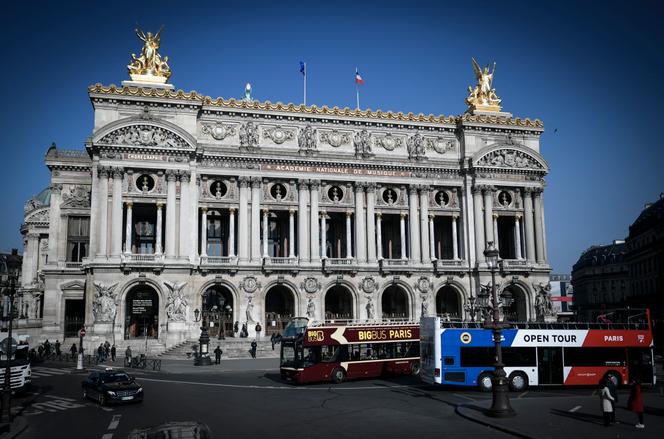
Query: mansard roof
[
  {"x": 600, "y": 255},
  {"x": 652, "y": 215}
]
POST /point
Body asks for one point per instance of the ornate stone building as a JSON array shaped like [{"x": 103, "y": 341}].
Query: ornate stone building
[{"x": 263, "y": 211}]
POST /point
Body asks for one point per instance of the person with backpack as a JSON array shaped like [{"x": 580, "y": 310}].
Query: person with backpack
[{"x": 254, "y": 345}]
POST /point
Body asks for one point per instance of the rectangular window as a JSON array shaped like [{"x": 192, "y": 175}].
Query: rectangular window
[
  {"x": 78, "y": 238},
  {"x": 595, "y": 357},
  {"x": 486, "y": 356}
]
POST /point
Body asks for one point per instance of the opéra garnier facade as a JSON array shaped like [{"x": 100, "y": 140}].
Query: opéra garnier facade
[{"x": 265, "y": 211}]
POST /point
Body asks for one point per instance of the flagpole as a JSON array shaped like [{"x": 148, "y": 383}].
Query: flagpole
[
  {"x": 357, "y": 90},
  {"x": 305, "y": 84}
]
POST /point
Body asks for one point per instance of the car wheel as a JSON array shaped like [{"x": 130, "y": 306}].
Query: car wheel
[
  {"x": 484, "y": 382},
  {"x": 518, "y": 382},
  {"x": 614, "y": 377},
  {"x": 338, "y": 375},
  {"x": 415, "y": 369},
  {"x": 102, "y": 399},
  {"x": 85, "y": 394}
]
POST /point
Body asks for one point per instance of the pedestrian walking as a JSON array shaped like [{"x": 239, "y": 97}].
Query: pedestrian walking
[
  {"x": 217, "y": 355},
  {"x": 254, "y": 345},
  {"x": 113, "y": 353},
  {"x": 606, "y": 401},
  {"x": 100, "y": 353},
  {"x": 244, "y": 333},
  {"x": 273, "y": 339},
  {"x": 47, "y": 348},
  {"x": 258, "y": 329},
  {"x": 58, "y": 352},
  {"x": 73, "y": 350},
  {"x": 236, "y": 328},
  {"x": 635, "y": 402},
  {"x": 614, "y": 393},
  {"x": 128, "y": 356}
]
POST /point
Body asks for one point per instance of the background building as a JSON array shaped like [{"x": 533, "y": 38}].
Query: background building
[
  {"x": 562, "y": 296},
  {"x": 181, "y": 202}
]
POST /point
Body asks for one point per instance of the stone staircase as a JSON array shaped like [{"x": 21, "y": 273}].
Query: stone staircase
[{"x": 232, "y": 347}]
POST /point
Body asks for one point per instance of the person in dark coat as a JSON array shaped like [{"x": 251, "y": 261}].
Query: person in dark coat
[
  {"x": 635, "y": 402},
  {"x": 236, "y": 328},
  {"x": 254, "y": 345},
  {"x": 100, "y": 353},
  {"x": 217, "y": 355},
  {"x": 73, "y": 350},
  {"x": 58, "y": 352},
  {"x": 273, "y": 339},
  {"x": 614, "y": 394},
  {"x": 113, "y": 353}
]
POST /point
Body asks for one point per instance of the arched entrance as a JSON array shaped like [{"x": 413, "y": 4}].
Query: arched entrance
[
  {"x": 395, "y": 303},
  {"x": 338, "y": 303},
  {"x": 217, "y": 300},
  {"x": 142, "y": 313},
  {"x": 517, "y": 311},
  {"x": 448, "y": 303},
  {"x": 279, "y": 309}
]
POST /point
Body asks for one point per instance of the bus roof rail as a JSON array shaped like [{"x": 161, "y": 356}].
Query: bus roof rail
[
  {"x": 369, "y": 322},
  {"x": 643, "y": 325}
]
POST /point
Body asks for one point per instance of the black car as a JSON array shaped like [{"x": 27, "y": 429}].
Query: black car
[{"x": 112, "y": 386}]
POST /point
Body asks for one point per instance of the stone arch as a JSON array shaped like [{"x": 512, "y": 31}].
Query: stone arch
[
  {"x": 449, "y": 302},
  {"x": 339, "y": 302},
  {"x": 235, "y": 296},
  {"x": 122, "y": 297},
  {"x": 142, "y": 316},
  {"x": 181, "y": 139},
  {"x": 483, "y": 158},
  {"x": 281, "y": 302},
  {"x": 396, "y": 301},
  {"x": 222, "y": 295},
  {"x": 519, "y": 309}
]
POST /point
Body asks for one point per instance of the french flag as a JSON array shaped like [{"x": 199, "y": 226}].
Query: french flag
[{"x": 358, "y": 78}]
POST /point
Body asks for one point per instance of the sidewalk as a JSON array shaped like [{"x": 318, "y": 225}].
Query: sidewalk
[
  {"x": 579, "y": 416},
  {"x": 19, "y": 424}
]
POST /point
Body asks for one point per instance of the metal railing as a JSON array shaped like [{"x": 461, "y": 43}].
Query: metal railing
[
  {"x": 270, "y": 260},
  {"x": 339, "y": 261}
]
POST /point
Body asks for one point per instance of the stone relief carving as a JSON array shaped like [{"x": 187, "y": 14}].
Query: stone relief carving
[
  {"x": 41, "y": 216},
  {"x": 425, "y": 306},
  {"x": 307, "y": 140},
  {"x": 368, "y": 285},
  {"x": 310, "y": 285},
  {"x": 78, "y": 196},
  {"x": 176, "y": 309},
  {"x": 311, "y": 309},
  {"x": 31, "y": 205},
  {"x": 104, "y": 306},
  {"x": 424, "y": 285},
  {"x": 278, "y": 135},
  {"x": 250, "y": 284},
  {"x": 416, "y": 147},
  {"x": 371, "y": 311},
  {"x": 250, "y": 310},
  {"x": 543, "y": 304},
  {"x": 362, "y": 142},
  {"x": 509, "y": 158},
  {"x": 218, "y": 131},
  {"x": 334, "y": 138},
  {"x": 389, "y": 142},
  {"x": 144, "y": 135},
  {"x": 248, "y": 136},
  {"x": 441, "y": 145}
]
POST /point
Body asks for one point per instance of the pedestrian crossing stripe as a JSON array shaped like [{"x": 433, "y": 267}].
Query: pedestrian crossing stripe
[{"x": 48, "y": 371}]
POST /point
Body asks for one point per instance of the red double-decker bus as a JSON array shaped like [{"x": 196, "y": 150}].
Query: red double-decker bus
[{"x": 339, "y": 352}]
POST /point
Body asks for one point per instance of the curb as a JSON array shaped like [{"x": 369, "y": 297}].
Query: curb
[
  {"x": 18, "y": 426},
  {"x": 481, "y": 421}
]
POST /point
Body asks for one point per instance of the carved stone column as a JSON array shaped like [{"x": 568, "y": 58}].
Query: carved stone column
[
  {"x": 539, "y": 226},
  {"x": 432, "y": 238},
  {"x": 243, "y": 220},
  {"x": 231, "y": 232},
  {"x": 517, "y": 235},
  {"x": 204, "y": 232},
  {"x": 414, "y": 225},
  {"x": 323, "y": 235},
  {"x": 116, "y": 213},
  {"x": 479, "y": 227},
  {"x": 265, "y": 232},
  {"x": 171, "y": 177},
  {"x": 371, "y": 223},
  {"x": 424, "y": 219},
  {"x": 185, "y": 215},
  {"x": 291, "y": 233},
  {"x": 495, "y": 230},
  {"x": 255, "y": 219},
  {"x": 455, "y": 239},
  {"x": 160, "y": 213},
  {"x": 488, "y": 214},
  {"x": 302, "y": 235},
  {"x": 379, "y": 235},
  {"x": 402, "y": 233},
  {"x": 349, "y": 239},
  {"x": 102, "y": 195},
  {"x": 528, "y": 223},
  {"x": 360, "y": 239},
  {"x": 128, "y": 228},
  {"x": 29, "y": 277},
  {"x": 313, "y": 223}
]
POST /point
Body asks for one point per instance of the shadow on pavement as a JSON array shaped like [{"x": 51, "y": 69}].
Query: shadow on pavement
[{"x": 580, "y": 416}]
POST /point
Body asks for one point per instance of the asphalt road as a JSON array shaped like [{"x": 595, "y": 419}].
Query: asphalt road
[{"x": 247, "y": 404}]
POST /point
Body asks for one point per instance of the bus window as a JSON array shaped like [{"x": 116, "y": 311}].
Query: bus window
[
  {"x": 586, "y": 356},
  {"x": 519, "y": 357},
  {"x": 329, "y": 354},
  {"x": 478, "y": 357}
]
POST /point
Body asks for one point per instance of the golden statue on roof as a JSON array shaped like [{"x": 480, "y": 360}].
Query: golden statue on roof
[
  {"x": 483, "y": 97},
  {"x": 149, "y": 66}
]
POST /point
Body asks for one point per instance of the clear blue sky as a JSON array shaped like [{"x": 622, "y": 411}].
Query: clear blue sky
[{"x": 590, "y": 70}]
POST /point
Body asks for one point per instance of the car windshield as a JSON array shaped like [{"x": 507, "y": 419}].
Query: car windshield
[{"x": 114, "y": 377}]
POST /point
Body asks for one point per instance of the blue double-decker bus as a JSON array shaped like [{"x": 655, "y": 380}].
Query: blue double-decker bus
[{"x": 463, "y": 353}]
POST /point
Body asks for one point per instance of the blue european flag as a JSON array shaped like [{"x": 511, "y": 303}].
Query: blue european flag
[{"x": 303, "y": 68}]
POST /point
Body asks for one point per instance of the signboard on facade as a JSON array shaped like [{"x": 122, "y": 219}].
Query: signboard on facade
[{"x": 335, "y": 170}]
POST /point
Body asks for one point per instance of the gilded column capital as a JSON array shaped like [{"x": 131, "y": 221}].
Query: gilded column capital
[
  {"x": 129, "y": 203},
  {"x": 323, "y": 214},
  {"x": 204, "y": 209},
  {"x": 455, "y": 216},
  {"x": 349, "y": 213},
  {"x": 232, "y": 210},
  {"x": 518, "y": 216},
  {"x": 403, "y": 215},
  {"x": 159, "y": 205},
  {"x": 495, "y": 216},
  {"x": 265, "y": 211},
  {"x": 291, "y": 211},
  {"x": 379, "y": 214}
]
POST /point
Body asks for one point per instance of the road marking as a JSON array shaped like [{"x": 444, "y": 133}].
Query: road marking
[
  {"x": 107, "y": 436},
  {"x": 575, "y": 408},
  {"x": 523, "y": 394},
  {"x": 114, "y": 423},
  {"x": 464, "y": 396}
]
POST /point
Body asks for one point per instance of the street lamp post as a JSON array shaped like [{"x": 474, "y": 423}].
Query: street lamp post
[
  {"x": 500, "y": 406},
  {"x": 203, "y": 358},
  {"x": 13, "y": 264}
]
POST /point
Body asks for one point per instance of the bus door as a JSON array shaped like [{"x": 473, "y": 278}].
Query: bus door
[
  {"x": 640, "y": 365},
  {"x": 550, "y": 365}
]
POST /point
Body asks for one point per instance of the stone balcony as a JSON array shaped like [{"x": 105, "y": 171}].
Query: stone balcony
[
  {"x": 136, "y": 260},
  {"x": 450, "y": 265},
  {"x": 219, "y": 263},
  {"x": 340, "y": 265},
  {"x": 271, "y": 264},
  {"x": 395, "y": 266},
  {"x": 515, "y": 265}
]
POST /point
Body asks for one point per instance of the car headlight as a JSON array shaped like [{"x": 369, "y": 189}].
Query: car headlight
[
  {"x": 110, "y": 392},
  {"x": 140, "y": 389}
]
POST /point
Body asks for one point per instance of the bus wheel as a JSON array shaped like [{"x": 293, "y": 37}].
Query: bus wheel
[
  {"x": 415, "y": 369},
  {"x": 518, "y": 382},
  {"x": 614, "y": 377},
  {"x": 484, "y": 382},
  {"x": 338, "y": 375}
]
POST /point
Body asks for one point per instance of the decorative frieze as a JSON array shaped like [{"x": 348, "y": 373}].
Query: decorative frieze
[
  {"x": 278, "y": 134},
  {"x": 144, "y": 135},
  {"x": 218, "y": 131}
]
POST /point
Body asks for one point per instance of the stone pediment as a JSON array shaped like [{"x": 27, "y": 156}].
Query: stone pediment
[
  {"x": 512, "y": 157},
  {"x": 145, "y": 132},
  {"x": 73, "y": 285},
  {"x": 38, "y": 216}
]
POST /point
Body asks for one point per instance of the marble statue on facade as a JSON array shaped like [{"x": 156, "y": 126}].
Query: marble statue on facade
[
  {"x": 176, "y": 309},
  {"x": 425, "y": 308},
  {"x": 311, "y": 309},
  {"x": 104, "y": 306},
  {"x": 371, "y": 314},
  {"x": 543, "y": 304},
  {"x": 250, "y": 311},
  {"x": 248, "y": 135},
  {"x": 149, "y": 64}
]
